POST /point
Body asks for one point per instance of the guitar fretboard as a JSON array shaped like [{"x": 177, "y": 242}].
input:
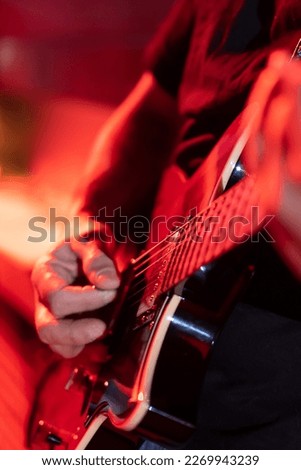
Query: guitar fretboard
[{"x": 230, "y": 220}]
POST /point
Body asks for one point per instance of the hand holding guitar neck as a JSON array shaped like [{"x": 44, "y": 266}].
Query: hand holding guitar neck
[{"x": 273, "y": 151}]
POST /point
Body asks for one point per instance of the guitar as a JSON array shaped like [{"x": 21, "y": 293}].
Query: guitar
[{"x": 175, "y": 298}]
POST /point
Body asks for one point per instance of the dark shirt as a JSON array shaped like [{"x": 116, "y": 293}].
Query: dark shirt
[{"x": 209, "y": 54}]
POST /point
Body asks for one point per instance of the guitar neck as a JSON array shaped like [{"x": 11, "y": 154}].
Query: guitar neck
[{"x": 230, "y": 220}]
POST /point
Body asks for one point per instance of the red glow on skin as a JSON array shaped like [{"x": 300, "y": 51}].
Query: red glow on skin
[
  {"x": 66, "y": 132},
  {"x": 36, "y": 44}
]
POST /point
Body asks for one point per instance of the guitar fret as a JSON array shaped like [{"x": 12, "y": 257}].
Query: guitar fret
[
  {"x": 175, "y": 245},
  {"x": 191, "y": 246},
  {"x": 185, "y": 248},
  {"x": 198, "y": 243},
  {"x": 205, "y": 236},
  {"x": 201, "y": 246},
  {"x": 176, "y": 261},
  {"x": 230, "y": 210},
  {"x": 169, "y": 259}
]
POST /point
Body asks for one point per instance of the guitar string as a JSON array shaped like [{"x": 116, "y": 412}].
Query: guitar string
[
  {"x": 218, "y": 202},
  {"x": 150, "y": 250},
  {"x": 151, "y": 281},
  {"x": 154, "y": 277},
  {"x": 145, "y": 254},
  {"x": 169, "y": 250},
  {"x": 192, "y": 249},
  {"x": 215, "y": 253},
  {"x": 162, "y": 253},
  {"x": 176, "y": 261},
  {"x": 200, "y": 216},
  {"x": 137, "y": 293},
  {"x": 166, "y": 239},
  {"x": 190, "y": 268},
  {"x": 197, "y": 235},
  {"x": 197, "y": 247},
  {"x": 178, "y": 245},
  {"x": 193, "y": 222}
]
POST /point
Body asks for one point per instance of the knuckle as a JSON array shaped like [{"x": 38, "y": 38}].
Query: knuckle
[
  {"x": 55, "y": 304},
  {"x": 45, "y": 333},
  {"x": 86, "y": 331},
  {"x": 38, "y": 269}
]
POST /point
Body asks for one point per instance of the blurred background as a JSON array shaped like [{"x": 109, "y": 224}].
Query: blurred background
[
  {"x": 84, "y": 49},
  {"x": 64, "y": 66}
]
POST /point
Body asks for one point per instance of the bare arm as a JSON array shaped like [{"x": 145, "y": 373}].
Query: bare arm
[{"x": 132, "y": 151}]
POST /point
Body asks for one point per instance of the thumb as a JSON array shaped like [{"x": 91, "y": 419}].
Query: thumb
[{"x": 97, "y": 266}]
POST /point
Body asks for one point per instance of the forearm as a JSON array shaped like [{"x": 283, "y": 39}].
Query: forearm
[{"x": 131, "y": 153}]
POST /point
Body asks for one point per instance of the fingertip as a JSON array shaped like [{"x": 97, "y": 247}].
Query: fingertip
[
  {"x": 94, "y": 329},
  {"x": 67, "y": 352},
  {"x": 86, "y": 330},
  {"x": 108, "y": 280}
]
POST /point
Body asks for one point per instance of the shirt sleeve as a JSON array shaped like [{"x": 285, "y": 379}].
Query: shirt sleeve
[{"x": 166, "y": 54}]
